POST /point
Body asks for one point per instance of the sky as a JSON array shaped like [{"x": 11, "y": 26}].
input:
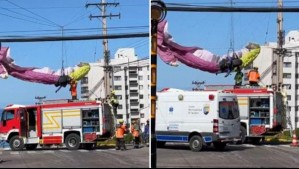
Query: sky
[
  {"x": 212, "y": 31},
  {"x": 58, "y": 18}
]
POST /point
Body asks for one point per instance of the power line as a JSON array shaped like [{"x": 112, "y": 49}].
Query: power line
[
  {"x": 231, "y": 9},
  {"x": 75, "y": 29},
  {"x": 33, "y": 13},
  {"x": 26, "y": 20},
  {"x": 70, "y": 38}
]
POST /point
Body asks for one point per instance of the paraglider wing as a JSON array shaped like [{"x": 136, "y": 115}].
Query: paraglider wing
[
  {"x": 32, "y": 74},
  {"x": 170, "y": 52}
]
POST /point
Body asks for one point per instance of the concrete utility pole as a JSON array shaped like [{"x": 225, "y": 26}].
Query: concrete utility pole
[
  {"x": 280, "y": 51},
  {"x": 107, "y": 69}
]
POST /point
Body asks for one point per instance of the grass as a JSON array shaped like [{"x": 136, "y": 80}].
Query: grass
[
  {"x": 112, "y": 142},
  {"x": 283, "y": 137}
]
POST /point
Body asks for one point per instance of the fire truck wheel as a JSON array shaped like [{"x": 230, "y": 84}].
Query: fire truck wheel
[
  {"x": 72, "y": 141},
  {"x": 16, "y": 143},
  {"x": 196, "y": 143},
  {"x": 31, "y": 146}
]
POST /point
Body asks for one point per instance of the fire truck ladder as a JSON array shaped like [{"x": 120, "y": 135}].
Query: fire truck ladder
[
  {"x": 267, "y": 71},
  {"x": 91, "y": 92}
]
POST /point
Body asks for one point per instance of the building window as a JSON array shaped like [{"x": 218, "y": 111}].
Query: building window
[
  {"x": 287, "y": 75},
  {"x": 141, "y": 106},
  {"x": 117, "y": 87},
  {"x": 140, "y": 77},
  {"x": 140, "y": 69},
  {"x": 119, "y": 116},
  {"x": 289, "y": 97},
  {"x": 288, "y": 86},
  {"x": 142, "y": 115},
  {"x": 119, "y": 97},
  {"x": 84, "y": 89},
  {"x": 287, "y": 64},
  {"x": 140, "y": 87},
  {"x": 116, "y": 68},
  {"x": 141, "y": 97},
  {"x": 289, "y": 108},
  {"x": 148, "y": 77},
  {"x": 120, "y": 106},
  {"x": 117, "y": 78},
  {"x": 296, "y": 108},
  {"x": 84, "y": 80}
]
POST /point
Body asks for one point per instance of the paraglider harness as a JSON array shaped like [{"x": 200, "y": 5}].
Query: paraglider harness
[{"x": 230, "y": 63}]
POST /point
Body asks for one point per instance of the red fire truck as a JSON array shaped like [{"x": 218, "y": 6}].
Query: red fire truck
[
  {"x": 55, "y": 123},
  {"x": 262, "y": 111}
]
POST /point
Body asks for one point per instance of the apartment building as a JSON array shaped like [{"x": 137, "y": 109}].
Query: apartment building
[
  {"x": 290, "y": 71},
  {"x": 130, "y": 79}
]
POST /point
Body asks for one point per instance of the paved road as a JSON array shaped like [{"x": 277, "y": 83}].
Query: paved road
[
  {"x": 56, "y": 158},
  {"x": 233, "y": 156}
]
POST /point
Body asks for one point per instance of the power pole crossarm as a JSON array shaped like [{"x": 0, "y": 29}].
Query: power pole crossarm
[{"x": 102, "y": 6}]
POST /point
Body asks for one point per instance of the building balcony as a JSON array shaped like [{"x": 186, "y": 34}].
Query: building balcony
[{"x": 84, "y": 95}]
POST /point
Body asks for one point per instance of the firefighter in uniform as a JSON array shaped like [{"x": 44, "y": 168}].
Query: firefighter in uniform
[
  {"x": 73, "y": 89},
  {"x": 114, "y": 102},
  {"x": 254, "y": 77},
  {"x": 135, "y": 129},
  {"x": 120, "y": 134}
]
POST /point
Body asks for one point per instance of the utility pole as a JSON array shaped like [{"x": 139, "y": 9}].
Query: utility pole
[
  {"x": 107, "y": 69},
  {"x": 279, "y": 51},
  {"x": 198, "y": 85}
]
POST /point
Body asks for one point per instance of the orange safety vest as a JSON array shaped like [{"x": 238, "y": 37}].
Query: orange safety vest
[
  {"x": 135, "y": 133},
  {"x": 253, "y": 76},
  {"x": 73, "y": 88},
  {"x": 120, "y": 131}
]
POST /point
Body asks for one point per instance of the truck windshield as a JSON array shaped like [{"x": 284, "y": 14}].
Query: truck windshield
[{"x": 228, "y": 110}]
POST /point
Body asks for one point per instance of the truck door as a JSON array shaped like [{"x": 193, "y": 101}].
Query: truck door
[
  {"x": 23, "y": 122},
  {"x": 8, "y": 121},
  {"x": 229, "y": 119}
]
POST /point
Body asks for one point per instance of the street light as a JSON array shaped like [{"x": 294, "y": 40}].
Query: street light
[{"x": 158, "y": 13}]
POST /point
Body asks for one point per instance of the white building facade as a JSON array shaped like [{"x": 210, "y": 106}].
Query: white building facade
[
  {"x": 290, "y": 71},
  {"x": 130, "y": 80}
]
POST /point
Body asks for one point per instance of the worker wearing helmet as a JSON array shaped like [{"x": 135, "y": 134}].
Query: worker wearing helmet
[
  {"x": 135, "y": 129},
  {"x": 114, "y": 101},
  {"x": 254, "y": 77},
  {"x": 73, "y": 89},
  {"x": 120, "y": 133}
]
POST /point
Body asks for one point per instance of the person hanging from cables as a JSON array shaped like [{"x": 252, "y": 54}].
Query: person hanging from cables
[
  {"x": 40, "y": 75},
  {"x": 171, "y": 53}
]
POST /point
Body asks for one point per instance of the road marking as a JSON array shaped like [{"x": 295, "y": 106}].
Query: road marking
[
  {"x": 48, "y": 151},
  {"x": 83, "y": 151},
  {"x": 248, "y": 145},
  {"x": 31, "y": 152},
  {"x": 269, "y": 146},
  {"x": 14, "y": 153},
  {"x": 65, "y": 151}
]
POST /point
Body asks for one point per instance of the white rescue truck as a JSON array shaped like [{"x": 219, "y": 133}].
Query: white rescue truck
[{"x": 197, "y": 117}]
